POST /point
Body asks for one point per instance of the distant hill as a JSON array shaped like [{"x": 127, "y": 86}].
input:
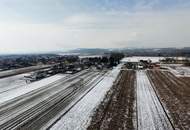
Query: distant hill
[
  {"x": 136, "y": 51},
  {"x": 90, "y": 51},
  {"x": 158, "y": 52}
]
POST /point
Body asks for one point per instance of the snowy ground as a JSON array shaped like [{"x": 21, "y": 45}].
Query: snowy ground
[
  {"x": 19, "y": 106},
  {"x": 78, "y": 118},
  {"x": 12, "y": 82},
  {"x": 19, "y": 87},
  {"x": 178, "y": 70},
  {"x": 77, "y": 114},
  {"x": 22, "y": 70},
  {"x": 138, "y": 58},
  {"x": 151, "y": 115}
]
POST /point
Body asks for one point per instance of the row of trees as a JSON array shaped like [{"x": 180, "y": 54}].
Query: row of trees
[{"x": 112, "y": 60}]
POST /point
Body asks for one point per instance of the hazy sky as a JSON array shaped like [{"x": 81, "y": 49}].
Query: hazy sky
[{"x": 48, "y": 25}]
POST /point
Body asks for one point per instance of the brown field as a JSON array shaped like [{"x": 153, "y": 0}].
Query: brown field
[
  {"x": 118, "y": 107},
  {"x": 185, "y": 80},
  {"x": 174, "y": 93},
  {"x": 118, "y": 110}
]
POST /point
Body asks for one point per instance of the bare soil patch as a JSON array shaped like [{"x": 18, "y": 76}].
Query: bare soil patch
[{"x": 117, "y": 110}]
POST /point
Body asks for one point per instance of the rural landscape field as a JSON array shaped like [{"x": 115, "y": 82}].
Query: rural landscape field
[
  {"x": 94, "y": 64},
  {"x": 135, "y": 93}
]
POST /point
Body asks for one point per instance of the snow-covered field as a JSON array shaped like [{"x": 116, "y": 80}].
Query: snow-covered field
[
  {"x": 22, "y": 70},
  {"x": 151, "y": 115},
  {"x": 153, "y": 59},
  {"x": 138, "y": 58},
  {"x": 40, "y": 97},
  {"x": 76, "y": 114},
  {"x": 12, "y": 82},
  {"x": 178, "y": 70},
  {"x": 78, "y": 118},
  {"x": 20, "y": 88}
]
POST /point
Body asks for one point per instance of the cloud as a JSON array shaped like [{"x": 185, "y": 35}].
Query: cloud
[{"x": 144, "y": 27}]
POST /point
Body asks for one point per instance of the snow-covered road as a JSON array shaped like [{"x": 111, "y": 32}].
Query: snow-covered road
[{"x": 151, "y": 115}]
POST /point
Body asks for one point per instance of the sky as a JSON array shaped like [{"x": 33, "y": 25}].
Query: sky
[{"x": 56, "y": 25}]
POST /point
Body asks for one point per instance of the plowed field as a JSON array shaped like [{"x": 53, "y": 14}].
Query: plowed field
[{"x": 174, "y": 92}]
